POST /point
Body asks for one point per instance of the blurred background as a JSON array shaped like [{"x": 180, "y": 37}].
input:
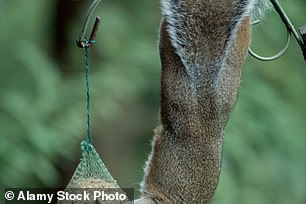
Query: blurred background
[{"x": 43, "y": 104}]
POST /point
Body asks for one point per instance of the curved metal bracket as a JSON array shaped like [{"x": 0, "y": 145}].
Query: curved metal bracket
[{"x": 290, "y": 30}]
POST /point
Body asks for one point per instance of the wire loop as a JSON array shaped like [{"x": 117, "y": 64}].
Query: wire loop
[{"x": 274, "y": 57}]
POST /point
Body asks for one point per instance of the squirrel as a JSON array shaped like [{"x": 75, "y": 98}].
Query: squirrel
[{"x": 203, "y": 45}]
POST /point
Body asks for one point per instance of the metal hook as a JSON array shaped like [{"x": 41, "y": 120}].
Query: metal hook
[
  {"x": 82, "y": 41},
  {"x": 290, "y": 30}
]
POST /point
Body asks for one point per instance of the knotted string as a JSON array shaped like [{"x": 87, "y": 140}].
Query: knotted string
[{"x": 89, "y": 139}]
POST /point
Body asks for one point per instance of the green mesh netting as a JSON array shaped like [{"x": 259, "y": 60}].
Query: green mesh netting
[{"x": 91, "y": 171}]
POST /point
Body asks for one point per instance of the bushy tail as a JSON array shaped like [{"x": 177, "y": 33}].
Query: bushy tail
[{"x": 203, "y": 45}]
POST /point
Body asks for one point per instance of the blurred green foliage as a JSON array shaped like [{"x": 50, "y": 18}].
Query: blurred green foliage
[{"x": 43, "y": 111}]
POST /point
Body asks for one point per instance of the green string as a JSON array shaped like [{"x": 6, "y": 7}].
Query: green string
[{"x": 89, "y": 139}]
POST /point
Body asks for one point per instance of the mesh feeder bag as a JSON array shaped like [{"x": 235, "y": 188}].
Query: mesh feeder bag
[
  {"x": 91, "y": 171},
  {"x": 92, "y": 175}
]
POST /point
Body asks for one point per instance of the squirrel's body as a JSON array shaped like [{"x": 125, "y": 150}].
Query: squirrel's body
[{"x": 203, "y": 45}]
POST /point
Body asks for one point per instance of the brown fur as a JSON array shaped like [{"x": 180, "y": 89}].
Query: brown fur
[{"x": 200, "y": 80}]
